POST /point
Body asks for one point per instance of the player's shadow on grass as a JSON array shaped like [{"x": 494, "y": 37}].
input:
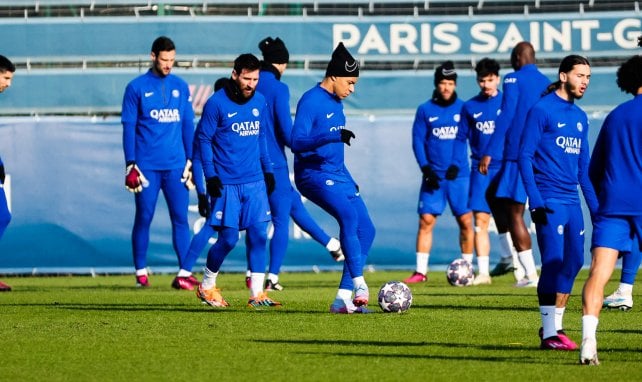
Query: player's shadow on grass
[
  {"x": 461, "y": 306},
  {"x": 396, "y": 345}
]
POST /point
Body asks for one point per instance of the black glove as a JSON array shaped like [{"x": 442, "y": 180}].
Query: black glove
[
  {"x": 452, "y": 172},
  {"x": 214, "y": 187},
  {"x": 538, "y": 215},
  {"x": 346, "y": 135},
  {"x": 2, "y": 174},
  {"x": 203, "y": 205},
  {"x": 270, "y": 183},
  {"x": 430, "y": 178}
]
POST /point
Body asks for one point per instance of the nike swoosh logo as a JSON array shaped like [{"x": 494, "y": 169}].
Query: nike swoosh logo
[
  {"x": 149, "y": 94},
  {"x": 476, "y": 115},
  {"x": 433, "y": 119},
  {"x": 581, "y": 232},
  {"x": 560, "y": 125},
  {"x": 230, "y": 115},
  {"x": 328, "y": 116}
]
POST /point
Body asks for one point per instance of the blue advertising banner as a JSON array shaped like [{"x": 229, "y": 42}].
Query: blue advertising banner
[{"x": 309, "y": 37}]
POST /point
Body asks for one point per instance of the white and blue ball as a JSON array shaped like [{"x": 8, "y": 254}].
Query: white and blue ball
[
  {"x": 394, "y": 297},
  {"x": 460, "y": 273}
]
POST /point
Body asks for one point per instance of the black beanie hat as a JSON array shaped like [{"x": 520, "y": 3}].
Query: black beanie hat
[
  {"x": 342, "y": 63},
  {"x": 445, "y": 71},
  {"x": 274, "y": 51}
]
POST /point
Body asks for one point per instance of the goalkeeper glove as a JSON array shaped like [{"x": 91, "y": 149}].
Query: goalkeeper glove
[
  {"x": 187, "y": 177},
  {"x": 134, "y": 178}
]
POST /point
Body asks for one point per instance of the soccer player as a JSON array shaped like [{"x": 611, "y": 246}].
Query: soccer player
[
  {"x": 158, "y": 129},
  {"x": 318, "y": 137},
  {"x": 615, "y": 168},
  {"x": 521, "y": 88},
  {"x": 239, "y": 177},
  {"x": 285, "y": 201},
  {"x": 7, "y": 69},
  {"x": 553, "y": 161},
  {"x": 199, "y": 240},
  {"x": 445, "y": 172},
  {"x": 477, "y": 125}
]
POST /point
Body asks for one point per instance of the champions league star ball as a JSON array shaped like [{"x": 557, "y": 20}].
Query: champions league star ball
[
  {"x": 394, "y": 297},
  {"x": 460, "y": 273}
]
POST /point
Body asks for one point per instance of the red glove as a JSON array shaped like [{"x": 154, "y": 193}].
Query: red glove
[{"x": 134, "y": 179}]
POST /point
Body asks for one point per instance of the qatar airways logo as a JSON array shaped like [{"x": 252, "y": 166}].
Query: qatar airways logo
[
  {"x": 445, "y": 132},
  {"x": 570, "y": 145},
  {"x": 486, "y": 127},
  {"x": 166, "y": 115},
  {"x": 246, "y": 128}
]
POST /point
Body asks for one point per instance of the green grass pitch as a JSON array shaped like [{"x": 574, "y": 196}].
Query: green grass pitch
[{"x": 80, "y": 328}]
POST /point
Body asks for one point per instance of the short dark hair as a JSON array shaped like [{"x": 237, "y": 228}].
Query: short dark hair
[
  {"x": 162, "y": 44},
  {"x": 6, "y": 65},
  {"x": 487, "y": 66},
  {"x": 629, "y": 75},
  {"x": 248, "y": 62}
]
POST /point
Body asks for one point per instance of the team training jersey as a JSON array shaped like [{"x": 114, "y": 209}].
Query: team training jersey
[
  {"x": 616, "y": 163},
  {"x": 433, "y": 135},
  {"x": 316, "y": 134},
  {"x": 158, "y": 122},
  {"x": 278, "y": 130},
  {"x": 555, "y": 154},
  {"x": 232, "y": 139},
  {"x": 477, "y": 124},
  {"x": 521, "y": 90}
]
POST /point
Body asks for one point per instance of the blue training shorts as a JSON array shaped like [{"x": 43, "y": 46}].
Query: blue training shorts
[
  {"x": 241, "y": 206},
  {"x": 510, "y": 185},
  {"x": 618, "y": 232},
  {"x": 478, "y": 185},
  {"x": 454, "y": 192}
]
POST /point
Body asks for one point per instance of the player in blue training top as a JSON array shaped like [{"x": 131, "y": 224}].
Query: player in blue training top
[
  {"x": 616, "y": 165},
  {"x": 522, "y": 88},
  {"x": 446, "y": 172},
  {"x": 477, "y": 126},
  {"x": 553, "y": 161},
  {"x": 200, "y": 238},
  {"x": 285, "y": 201},
  {"x": 7, "y": 69},
  {"x": 318, "y": 137},
  {"x": 239, "y": 177},
  {"x": 158, "y": 129}
]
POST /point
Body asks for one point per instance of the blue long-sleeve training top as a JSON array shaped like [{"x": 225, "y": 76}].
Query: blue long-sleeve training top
[
  {"x": 278, "y": 131},
  {"x": 158, "y": 122},
  {"x": 232, "y": 139},
  {"x": 554, "y": 154},
  {"x": 616, "y": 163},
  {"x": 316, "y": 134},
  {"x": 521, "y": 90},
  {"x": 477, "y": 125},
  {"x": 433, "y": 135}
]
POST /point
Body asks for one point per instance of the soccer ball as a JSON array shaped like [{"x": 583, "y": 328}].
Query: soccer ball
[
  {"x": 460, "y": 273},
  {"x": 394, "y": 297}
]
